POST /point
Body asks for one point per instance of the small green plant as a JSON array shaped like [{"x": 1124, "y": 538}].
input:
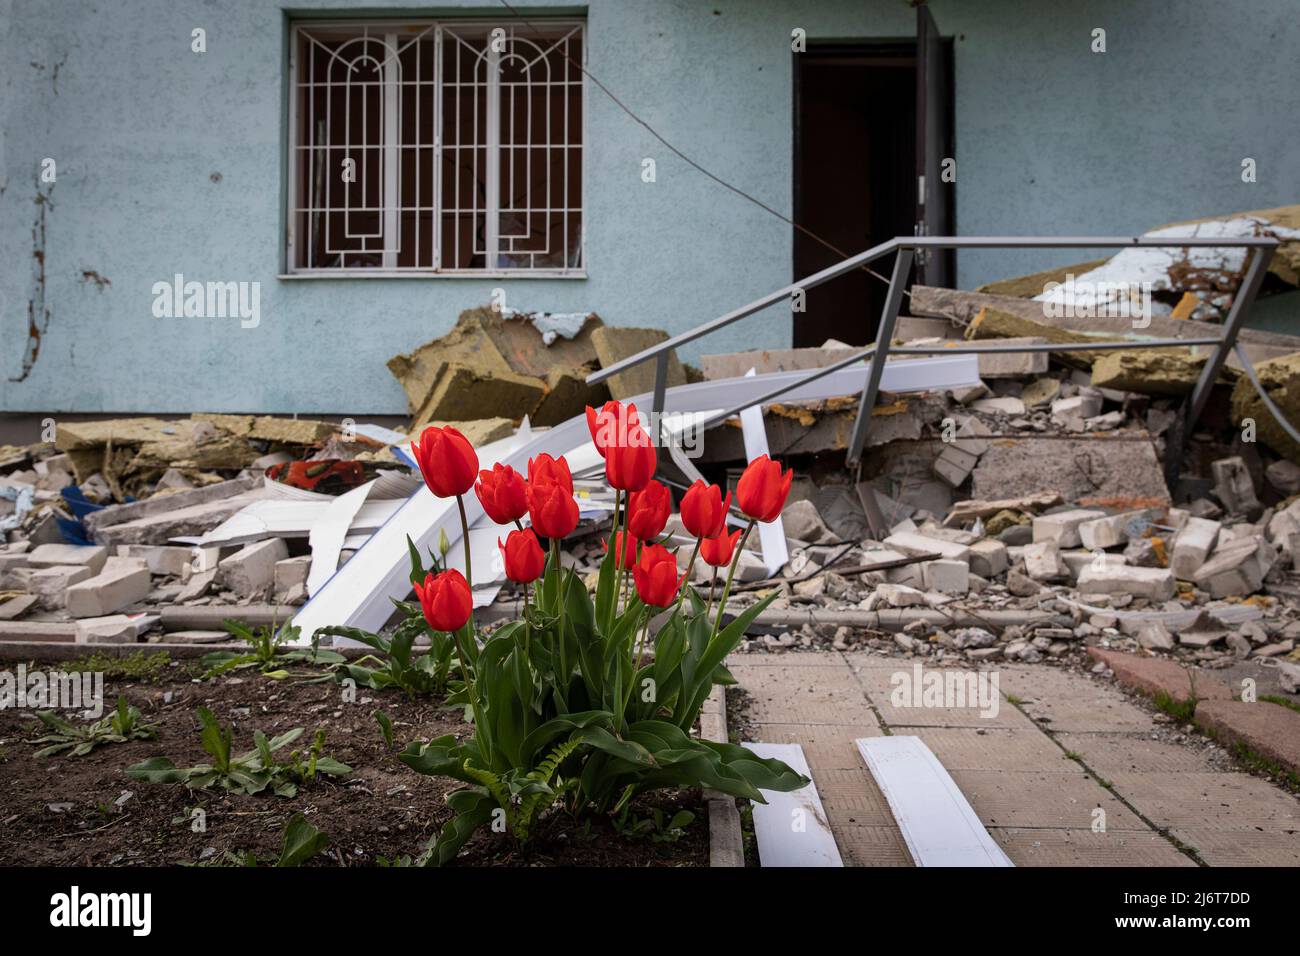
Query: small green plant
[
  {"x": 658, "y": 826},
  {"x": 249, "y": 773},
  {"x": 1181, "y": 710},
  {"x": 122, "y": 725},
  {"x": 302, "y": 841},
  {"x": 268, "y": 653},
  {"x": 418, "y": 675},
  {"x": 138, "y": 666}
]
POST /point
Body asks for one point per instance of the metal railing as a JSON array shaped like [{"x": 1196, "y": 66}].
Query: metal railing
[{"x": 905, "y": 248}]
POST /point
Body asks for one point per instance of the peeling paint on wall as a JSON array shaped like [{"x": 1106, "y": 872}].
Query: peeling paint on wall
[{"x": 38, "y": 313}]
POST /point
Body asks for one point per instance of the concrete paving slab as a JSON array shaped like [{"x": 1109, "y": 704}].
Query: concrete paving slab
[
  {"x": 965, "y": 748},
  {"x": 880, "y": 685},
  {"x": 1108, "y": 754},
  {"x": 794, "y": 659},
  {"x": 812, "y": 695},
  {"x": 1243, "y": 847},
  {"x": 1053, "y": 847},
  {"x": 1064, "y": 703},
  {"x": 871, "y": 845},
  {"x": 1209, "y": 801},
  {"x": 1061, "y": 800},
  {"x": 825, "y": 746},
  {"x": 852, "y": 797}
]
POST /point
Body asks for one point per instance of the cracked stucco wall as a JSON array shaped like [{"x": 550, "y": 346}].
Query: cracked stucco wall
[{"x": 1050, "y": 138}]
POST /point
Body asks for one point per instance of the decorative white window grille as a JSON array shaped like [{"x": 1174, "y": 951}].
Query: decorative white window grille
[{"x": 436, "y": 147}]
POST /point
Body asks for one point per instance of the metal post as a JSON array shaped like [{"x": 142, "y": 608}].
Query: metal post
[
  {"x": 657, "y": 406},
  {"x": 884, "y": 334},
  {"x": 1231, "y": 327}
]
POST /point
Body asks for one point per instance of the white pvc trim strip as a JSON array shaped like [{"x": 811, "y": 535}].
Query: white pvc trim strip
[{"x": 791, "y": 828}]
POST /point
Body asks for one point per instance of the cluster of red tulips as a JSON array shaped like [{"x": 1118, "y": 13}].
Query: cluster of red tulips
[{"x": 449, "y": 466}]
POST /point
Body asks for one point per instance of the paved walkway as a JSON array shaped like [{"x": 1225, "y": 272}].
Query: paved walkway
[{"x": 1034, "y": 772}]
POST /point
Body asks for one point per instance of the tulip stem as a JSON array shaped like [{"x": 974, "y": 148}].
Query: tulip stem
[
  {"x": 464, "y": 530},
  {"x": 686, "y": 578},
  {"x": 713, "y": 586},
  {"x": 561, "y": 643},
  {"x": 731, "y": 573}
]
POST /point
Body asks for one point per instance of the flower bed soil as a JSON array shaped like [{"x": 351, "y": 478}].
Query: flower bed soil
[{"x": 65, "y": 810}]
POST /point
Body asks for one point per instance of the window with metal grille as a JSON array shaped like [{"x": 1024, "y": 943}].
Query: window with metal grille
[{"x": 437, "y": 147}]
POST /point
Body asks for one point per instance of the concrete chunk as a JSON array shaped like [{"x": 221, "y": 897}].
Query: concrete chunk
[
  {"x": 250, "y": 571},
  {"x": 110, "y": 629},
  {"x": 1154, "y": 584},
  {"x": 50, "y": 585},
  {"x": 1043, "y": 561},
  {"x": 947, "y": 577},
  {"x": 1192, "y": 546},
  {"x": 1107, "y": 532},
  {"x": 52, "y": 555},
  {"x": 291, "y": 571},
  {"x": 988, "y": 558},
  {"x": 614, "y": 344},
  {"x": 910, "y": 542},
  {"x": 1234, "y": 569},
  {"x": 160, "y": 559},
  {"x": 1063, "y": 526},
  {"x": 1234, "y": 487},
  {"x": 954, "y": 465},
  {"x": 106, "y": 593}
]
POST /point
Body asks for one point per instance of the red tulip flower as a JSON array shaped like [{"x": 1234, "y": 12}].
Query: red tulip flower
[
  {"x": 609, "y": 425},
  {"x": 655, "y": 576},
  {"x": 648, "y": 511},
  {"x": 627, "y": 545},
  {"x": 718, "y": 551},
  {"x": 524, "y": 558},
  {"x": 762, "y": 489},
  {"x": 447, "y": 461},
  {"x": 704, "y": 510},
  {"x": 551, "y": 507},
  {"x": 630, "y": 465},
  {"x": 547, "y": 470},
  {"x": 446, "y": 600},
  {"x": 502, "y": 494}
]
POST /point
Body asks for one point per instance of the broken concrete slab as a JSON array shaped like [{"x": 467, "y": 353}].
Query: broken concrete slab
[
  {"x": 467, "y": 392},
  {"x": 988, "y": 558},
  {"x": 910, "y": 542},
  {"x": 106, "y": 593},
  {"x": 1111, "y": 577},
  {"x": 954, "y": 464},
  {"x": 162, "y": 504},
  {"x": 62, "y": 555},
  {"x": 250, "y": 571},
  {"x": 963, "y": 512},
  {"x": 16, "y": 607},
  {"x": 290, "y": 572},
  {"x": 946, "y": 577},
  {"x": 736, "y": 364},
  {"x": 1087, "y": 471},
  {"x": 614, "y": 344},
  {"x": 1172, "y": 371}
]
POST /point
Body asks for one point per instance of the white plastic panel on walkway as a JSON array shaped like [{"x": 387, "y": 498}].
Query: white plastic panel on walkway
[
  {"x": 358, "y": 594},
  {"x": 938, "y": 825},
  {"x": 791, "y": 828}
]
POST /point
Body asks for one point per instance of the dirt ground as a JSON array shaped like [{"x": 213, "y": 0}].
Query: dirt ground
[{"x": 85, "y": 811}]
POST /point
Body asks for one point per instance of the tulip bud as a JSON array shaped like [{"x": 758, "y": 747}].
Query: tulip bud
[
  {"x": 446, "y": 600},
  {"x": 502, "y": 494},
  {"x": 524, "y": 559},
  {"x": 655, "y": 576},
  {"x": 717, "y": 551},
  {"x": 704, "y": 510},
  {"x": 627, "y": 545},
  {"x": 648, "y": 511},
  {"x": 447, "y": 461}
]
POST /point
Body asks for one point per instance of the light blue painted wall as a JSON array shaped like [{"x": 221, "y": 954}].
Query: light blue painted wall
[{"x": 1051, "y": 138}]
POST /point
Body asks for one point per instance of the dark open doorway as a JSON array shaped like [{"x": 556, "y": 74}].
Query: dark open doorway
[{"x": 855, "y": 175}]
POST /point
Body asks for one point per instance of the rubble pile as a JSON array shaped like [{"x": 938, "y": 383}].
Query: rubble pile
[{"x": 1058, "y": 502}]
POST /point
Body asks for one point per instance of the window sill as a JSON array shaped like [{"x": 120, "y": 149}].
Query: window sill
[{"x": 430, "y": 274}]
